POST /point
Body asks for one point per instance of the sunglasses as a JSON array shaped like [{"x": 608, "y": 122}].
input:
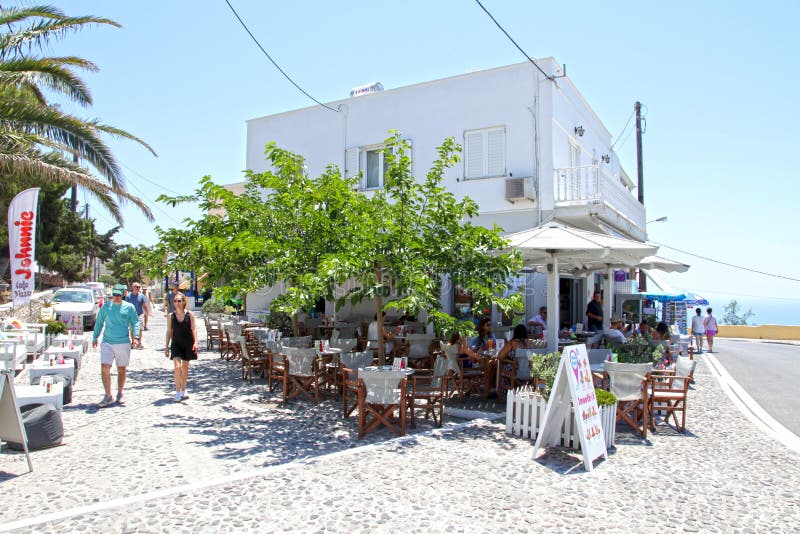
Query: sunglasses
[{"x": 178, "y": 300}]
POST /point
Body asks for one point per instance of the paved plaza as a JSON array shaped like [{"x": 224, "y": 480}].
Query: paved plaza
[{"x": 232, "y": 458}]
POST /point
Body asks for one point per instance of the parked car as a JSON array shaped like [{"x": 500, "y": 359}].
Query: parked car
[
  {"x": 99, "y": 294},
  {"x": 79, "y": 301}
]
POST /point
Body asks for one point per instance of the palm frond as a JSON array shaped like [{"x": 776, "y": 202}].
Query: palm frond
[
  {"x": 116, "y": 132},
  {"x": 52, "y": 73}
]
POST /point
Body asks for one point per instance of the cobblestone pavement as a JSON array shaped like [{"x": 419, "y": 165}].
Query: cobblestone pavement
[{"x": 231, "y": 458}]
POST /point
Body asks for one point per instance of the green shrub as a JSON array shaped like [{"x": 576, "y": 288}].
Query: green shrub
[
  {"x": 637, "y": 349},
  {"x": 213, "y": 305},
  {"x": 604, "y": 398},
  {"x": 55, "y": 327},
  {"x": 280, "y": 321},
  {"x": 544, "y": 367}
]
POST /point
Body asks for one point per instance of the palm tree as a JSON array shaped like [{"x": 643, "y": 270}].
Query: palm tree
[{"x": 36, "y": 137}]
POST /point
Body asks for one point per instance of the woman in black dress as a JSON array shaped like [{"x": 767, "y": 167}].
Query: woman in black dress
[{"x": 182, "y": 332}]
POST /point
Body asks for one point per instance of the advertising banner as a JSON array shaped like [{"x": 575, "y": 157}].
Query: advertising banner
[{"x": 22, "y": 244}]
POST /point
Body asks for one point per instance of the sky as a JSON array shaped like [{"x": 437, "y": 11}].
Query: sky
[{"x": 717, "y": 81}]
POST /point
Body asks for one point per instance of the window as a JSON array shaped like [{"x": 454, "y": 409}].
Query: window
[
  {"x": 485, "y": 152},
  {"x": 374, "y": 166}
]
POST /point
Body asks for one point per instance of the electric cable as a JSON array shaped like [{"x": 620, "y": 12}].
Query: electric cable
[
  {"x": 150, "y": 181},
  {"x": 273, "y": 61},
  {"x": 623, "y": 130},
  {"x": 727, "y": 264},
  {"x": 551, "y": 78}
]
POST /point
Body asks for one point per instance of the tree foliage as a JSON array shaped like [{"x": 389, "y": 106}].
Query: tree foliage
[
  {"x": 399, "y": 246},
  {"x": 735, "y": 315},
  {"x": 37, "y": 139}
]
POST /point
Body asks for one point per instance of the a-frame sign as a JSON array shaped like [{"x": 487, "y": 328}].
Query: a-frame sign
[
  {"x": 574, "y": 388},
  {"x": 11, "y": 427}
]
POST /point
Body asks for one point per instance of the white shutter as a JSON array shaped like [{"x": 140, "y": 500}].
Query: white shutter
[
  {"x": 473, "y": 162},
  {"x": 351, "y": 162},
  {"x": 496, "y": 152}
]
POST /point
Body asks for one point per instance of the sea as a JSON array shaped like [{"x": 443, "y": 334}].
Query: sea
[{"x": 765, "y": 310}]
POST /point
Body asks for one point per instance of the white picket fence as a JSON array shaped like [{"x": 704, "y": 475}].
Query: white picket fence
[{"x": 525, "y": 412}]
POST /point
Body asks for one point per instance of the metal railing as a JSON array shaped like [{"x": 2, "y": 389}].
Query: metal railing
[{"x": 592, "y": 184}]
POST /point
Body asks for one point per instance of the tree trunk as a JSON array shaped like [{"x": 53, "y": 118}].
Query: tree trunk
[
  {"x": 379, "y": 319},
  {"x": 295, "y": 325}
]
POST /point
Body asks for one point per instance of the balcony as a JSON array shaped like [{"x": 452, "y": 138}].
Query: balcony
[{"x": 590, "y": 191}]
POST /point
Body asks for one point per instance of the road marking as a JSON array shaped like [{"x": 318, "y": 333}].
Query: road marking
[
  {"x": 28, "y": 522},
  {"x": 750, "y": 408}
]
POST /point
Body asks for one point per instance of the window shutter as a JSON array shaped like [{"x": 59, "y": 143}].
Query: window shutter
[
  {"x": 474, "y": 159},
  {"x": 496, "y": 152},
  {"x": 351, "y": 162}
]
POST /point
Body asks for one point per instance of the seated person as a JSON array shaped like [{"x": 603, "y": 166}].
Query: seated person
[
  {"x": 538, "y": 323},
  {"x": 519, "y": 340},
  {"x": 485, "y": 339},
  {"x": 464, "y": 351},
  {"x": 615, "y": 335},
  {"x": 643, "y": 330},
  {"x": 372, "y": 335},
  {"x": 662, "y": 332}
]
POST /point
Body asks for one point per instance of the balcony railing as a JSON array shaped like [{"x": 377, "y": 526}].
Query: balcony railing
[{"x": 592, "y": 184}]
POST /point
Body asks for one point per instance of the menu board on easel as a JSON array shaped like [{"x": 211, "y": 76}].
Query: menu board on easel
[
  {"x": 11, "y": 427},
  {"x": 74, "y": 322},
  {"x": 574, "y": 389}
]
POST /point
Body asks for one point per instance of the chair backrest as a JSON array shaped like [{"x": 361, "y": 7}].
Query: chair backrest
[
  {"x": 344, "y": 344},
  {"x": 345, "y": 332},
  {"x": 626, "y": 379},
  {"x": 382, "y": 386},
  {"x": 356, "y": 360},
  {"x": 440, "y": 368},
  {"x": 296, "y": 342},
  {"x": 598, "y": 355},
  {"x": 301, "y": 360},
  {"x": 594, "y": 341},
  {"x": 683, "y": 367},
  {"x": 419, "y": 345},
  {"x": 523, "y": 357},
  {"x": 243, "y": 344},
  {"x": 451, "y": 353}
]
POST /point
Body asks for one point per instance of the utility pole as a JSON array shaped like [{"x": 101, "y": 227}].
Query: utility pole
[
  {"x": 75, "y": 188},
  {"x": 637, "y": 107}
]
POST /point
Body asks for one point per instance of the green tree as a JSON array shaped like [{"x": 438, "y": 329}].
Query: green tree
[
  {"x": 37, "y": 139},
  {"x": 133, "y": 264},
  {"x": 735, "y": 315},
  {"x": 410, "y": 233}
]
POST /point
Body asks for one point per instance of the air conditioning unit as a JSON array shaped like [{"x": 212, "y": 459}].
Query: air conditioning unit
[{"x": 520, "y": 189}]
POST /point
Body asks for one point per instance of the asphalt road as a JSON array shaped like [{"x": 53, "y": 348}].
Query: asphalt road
[{"x": 769, "y": 372}]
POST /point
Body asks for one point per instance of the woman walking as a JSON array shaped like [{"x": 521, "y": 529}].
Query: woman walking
[
  {"x": 182, "y": 333},
  {"x": 710, "y": 323}
]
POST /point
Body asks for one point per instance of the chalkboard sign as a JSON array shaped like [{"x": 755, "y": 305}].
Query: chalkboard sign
[{"x": 574, "y": 389}]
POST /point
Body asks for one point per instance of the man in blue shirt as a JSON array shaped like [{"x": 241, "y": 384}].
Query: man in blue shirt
[
  {"x": 137, "y": 298},
  {"x": 116, "y": 320}
]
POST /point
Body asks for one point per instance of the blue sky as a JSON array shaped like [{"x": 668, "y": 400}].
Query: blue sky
[{"x": 717, "y": 79}]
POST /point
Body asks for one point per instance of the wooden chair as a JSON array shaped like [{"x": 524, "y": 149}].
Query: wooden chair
[
  {"x": 668, "y": 390},
  {"x": 427, "y": 392},
  {"x": 380, "y": 395},
  {"x": 277, "y": 371},
  {"x": 297, "y": 342},
  {"x": 349, "y": 364},
  {"x": 628, "y": 382},
  {"x": 302, "y": 374},
  {"x": 253, "y": 360},
  {"x": 419, "y": 350},
  {"x": 465, "y": 379},
  {"x": 212, "y": 333}
]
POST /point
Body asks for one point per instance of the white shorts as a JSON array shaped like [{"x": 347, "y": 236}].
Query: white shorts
[{"x": 121, "y": 353}]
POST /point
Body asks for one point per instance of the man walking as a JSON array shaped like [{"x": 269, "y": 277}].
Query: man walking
[
  {"x": 138, "y": 300},
  {"x": 169, "y": 300},
  {"x": 115, "y": 320}
]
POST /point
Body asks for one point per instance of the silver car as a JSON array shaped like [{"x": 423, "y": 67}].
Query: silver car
[{"x": 77, "y": 301}]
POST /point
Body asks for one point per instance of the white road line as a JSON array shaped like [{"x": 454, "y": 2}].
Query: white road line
[
  {"x": 750, "y": 408},
  {"x": 28, "y": 522}
]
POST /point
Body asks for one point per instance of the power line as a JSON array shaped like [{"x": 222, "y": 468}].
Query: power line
[
  {"x": 727, "y": 264},
  {"x": 273, "y": 61},
  {"x": 551, "y": 78},
  {"x": 150, "y": 181},
  {"x": 626, "y": 139},
  {"x": 623, "y": 130}
]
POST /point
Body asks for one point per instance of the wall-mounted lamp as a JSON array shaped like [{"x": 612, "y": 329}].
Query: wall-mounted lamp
[
  {"x": 580, "y": 131},
  {"x": 660, "y": 219},
  {"x": 549, "y": 267},
  {"x": 606, "y": 158}
]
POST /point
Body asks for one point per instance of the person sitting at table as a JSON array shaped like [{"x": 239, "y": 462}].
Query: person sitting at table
[
  {"x": 538, "y": 323},
  {"x": 485, "y": 339},
  {"x": 372, "y": 335},
  {"x": 465, "y": 353},
  {"x": 643, "y": 330},
  {"x": 615, "y": 334},
  {"x": 519, "y": 340},
  {"x": 662, "y": 336}
]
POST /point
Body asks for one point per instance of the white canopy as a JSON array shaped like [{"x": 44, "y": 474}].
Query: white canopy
[
  {"x": 556, "y": 245},
  {"x": 666, "y": 265}
]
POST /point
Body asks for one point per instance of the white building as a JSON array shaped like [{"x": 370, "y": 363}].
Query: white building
[{"x": 533, "y": 151}]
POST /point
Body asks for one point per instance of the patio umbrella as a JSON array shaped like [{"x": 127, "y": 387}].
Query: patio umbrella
[
  {"x": 662, "y": 264},
  {"x": 554, "y": 244}
]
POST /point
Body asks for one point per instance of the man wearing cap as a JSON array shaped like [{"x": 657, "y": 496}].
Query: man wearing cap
[
  {"x": 615, "y": 334},
  {"x": 136, "y": 298},
  {"x": 115, "y": 320},
  {"x": 169, "y": 300}
]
